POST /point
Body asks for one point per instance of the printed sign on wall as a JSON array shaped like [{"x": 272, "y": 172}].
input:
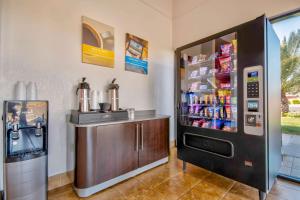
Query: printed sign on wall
[
  {"x": 97, "y": 43},
  {"x": 136, "y": 54}
]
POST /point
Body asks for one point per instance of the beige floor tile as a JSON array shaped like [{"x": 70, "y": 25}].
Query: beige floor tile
[
  {"x": 168, "y": 182},
  {"x": 176, "y": 186},
  {"x": 108, "y": 194},
  {"x": 243, "y": 192}
]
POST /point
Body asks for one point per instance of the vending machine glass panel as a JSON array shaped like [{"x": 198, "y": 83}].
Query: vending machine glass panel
[{"x": 208, "y": 75}]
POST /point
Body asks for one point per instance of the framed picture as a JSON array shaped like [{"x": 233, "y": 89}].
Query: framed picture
[
  {"x": 97, "y": 43},
  {"x": 136, "y": 54}
]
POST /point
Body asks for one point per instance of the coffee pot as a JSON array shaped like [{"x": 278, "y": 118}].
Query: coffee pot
[
  {"x": 83, "y": 92},
  {"x": 113, "y": 95}
]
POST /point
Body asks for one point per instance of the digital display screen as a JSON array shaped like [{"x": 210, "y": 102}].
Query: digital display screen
[
  {"x": 253, "y": 76},
  {"x": 253, "y": 106}
]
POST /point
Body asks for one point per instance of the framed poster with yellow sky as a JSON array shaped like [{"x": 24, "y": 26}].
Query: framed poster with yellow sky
[
  {"x": 136, "y": 54},
  {"x": 97, "y": 43}
]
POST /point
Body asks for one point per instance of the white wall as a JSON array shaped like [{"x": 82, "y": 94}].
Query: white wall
[
  {"x": 196, "y": 19},
  {"x": 40, "y": 41}
]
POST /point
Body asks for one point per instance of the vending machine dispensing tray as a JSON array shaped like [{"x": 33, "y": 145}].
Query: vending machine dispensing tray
[{"x": 97, "y": 117}]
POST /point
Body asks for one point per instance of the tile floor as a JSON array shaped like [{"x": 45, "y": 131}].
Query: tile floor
[
  {"x": 291, "y": 155},
  {"x": 168, "y": 182}
]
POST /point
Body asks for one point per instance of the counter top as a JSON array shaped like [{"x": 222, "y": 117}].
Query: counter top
[{"x": 137, "y": 118}]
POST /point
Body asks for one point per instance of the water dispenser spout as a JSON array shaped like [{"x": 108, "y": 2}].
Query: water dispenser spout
[
  {"x": 15, "y": 131},
  {"x": 39, "y": 129}
]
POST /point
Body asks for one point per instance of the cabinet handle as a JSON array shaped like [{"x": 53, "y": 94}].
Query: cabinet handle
[
  {"x": 137, "y": 137},
  {"x": 142, "y": 137}
]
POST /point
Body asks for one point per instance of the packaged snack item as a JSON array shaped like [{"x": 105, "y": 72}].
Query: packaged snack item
[
  {"x": 191, "y": 110},
  {"x": 210, "y": 111},
  {"x": 225, "y": 85},
  {"x": 203, "y": 87},
  {"x": 201, "y": 112},
  {"x": 206, "y": 124},
  {"x": 194, "y": 86},
  {"x": 205, "y": 112},
  {"x": 217, "y": 113},
  {"x": 225, "y": 64},
  {"x": 234, "y": 44},
  {"x": 222, "y": 99},
  {"x": 228, "y": 112},
  {"x": 219, "y": 124},
  {"x": 213, "y": 99},
  {"x": 195, "y": 123},
  {"x": 203, "y": 70},
  {"x": 190, "y": 98},
  {"x": 227, "y": 126},
  {"x": 194, "y": 60},
  {"x": 226, "y": 49},
  {"x": 213, "y": 124},
  {"x": 202, "y": 57},
  {"x": 222, "y": 112},
  {"x": 196, "y": 109},
  {"x": 201, "y": 121},
  {"x": 206, "y": 99},
  {"x": 227, "y": 100},
  {"x": 201, "y": 99},
  {"x": 194, "y": 74},
  {"x": 196, "y": 98}
]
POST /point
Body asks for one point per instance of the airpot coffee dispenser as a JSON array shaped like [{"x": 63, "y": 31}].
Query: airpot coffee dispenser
[
  {"x": 25, "y": 150},
  {"x": 83, "y": 92},
  {"x": 113, "y": 95}
]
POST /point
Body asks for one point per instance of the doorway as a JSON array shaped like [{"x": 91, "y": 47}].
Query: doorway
[{"x": 287, "y": 28}]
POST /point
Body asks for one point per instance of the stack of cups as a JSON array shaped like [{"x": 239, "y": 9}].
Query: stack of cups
[{"x": 23, "y": 92}]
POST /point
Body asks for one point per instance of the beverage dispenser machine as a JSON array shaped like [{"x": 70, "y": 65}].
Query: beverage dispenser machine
[{"x": 25, "y": 150}]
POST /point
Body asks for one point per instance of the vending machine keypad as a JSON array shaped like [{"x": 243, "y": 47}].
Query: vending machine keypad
[
  {"x": 253, "y": 100},
  {"x": 253, "y": 90}
]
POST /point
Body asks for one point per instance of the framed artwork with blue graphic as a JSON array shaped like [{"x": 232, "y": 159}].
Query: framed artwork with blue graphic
[{"x": 136, "y": 54}]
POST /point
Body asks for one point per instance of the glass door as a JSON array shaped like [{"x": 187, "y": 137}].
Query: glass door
[{"x": 209, "y": 84}]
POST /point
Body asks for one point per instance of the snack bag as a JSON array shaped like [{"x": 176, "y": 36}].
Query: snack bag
[
  {"x": 196, "y": 109},
  {"x": 228, "y": 112},
  {"x": 234, "y": 43},
  {"x": 227, "y": 126},
  {"x": 195, "y": 123},
  {"x": 227, "y": 100},
  {"x": 226, "y": 49},
  {"x": 225, "y": 64},
  {"x": 217, "y": 113},
  {"x": 210, "y": 111},
  {"x": 221, "y": 112}
]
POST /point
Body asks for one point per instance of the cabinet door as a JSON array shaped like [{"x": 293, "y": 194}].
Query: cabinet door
[
  {"x": 154, "y": 141},
  {"x": 117, "y": 151}
]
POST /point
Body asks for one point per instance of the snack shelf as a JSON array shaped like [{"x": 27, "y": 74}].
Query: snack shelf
[
  {"x": 209, "y": 118},
  {"x": 205, "y": 63},
  {"x": 212, "y": 105},
  {"x": 211, "y": 90}
]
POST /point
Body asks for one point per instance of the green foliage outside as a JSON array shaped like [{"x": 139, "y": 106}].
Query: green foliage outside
[
  {"x": 290, "y": 68},
  {"x": 290, "y": 125}
]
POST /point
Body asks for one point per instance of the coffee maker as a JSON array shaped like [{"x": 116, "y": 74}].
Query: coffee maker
[{"x": 25, "y": 150}]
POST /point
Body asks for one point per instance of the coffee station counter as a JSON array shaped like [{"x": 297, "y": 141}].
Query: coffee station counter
[
  {"x": 114, "y": 148},
  {"x": 136, "y": 119}
]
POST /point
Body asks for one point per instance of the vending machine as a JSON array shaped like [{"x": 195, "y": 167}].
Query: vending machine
[
  {"x": 25, "y": 150},
  {"x": 228, "y": 104}
]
